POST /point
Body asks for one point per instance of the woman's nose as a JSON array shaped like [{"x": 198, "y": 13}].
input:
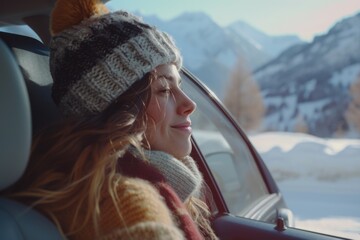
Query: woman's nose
[{"x": 187, "y": 106}]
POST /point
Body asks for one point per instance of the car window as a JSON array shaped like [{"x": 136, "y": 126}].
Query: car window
[
  {"x": 226, "y": 154},
  {"x": 21, "y": 30}
]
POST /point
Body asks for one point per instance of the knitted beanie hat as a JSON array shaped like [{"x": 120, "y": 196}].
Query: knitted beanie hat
[{"x": 96, "y": 55}]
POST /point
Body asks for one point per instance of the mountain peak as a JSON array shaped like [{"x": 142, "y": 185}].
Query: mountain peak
[
  {"x": 245, "y": 28},
  {"x": 271, "y": 45},
  {"x": 193, "y": 17},
  {"x": 350, "y": 23}
]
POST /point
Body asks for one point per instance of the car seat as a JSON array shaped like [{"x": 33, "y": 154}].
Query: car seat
[{"x": 24, "y": 92}]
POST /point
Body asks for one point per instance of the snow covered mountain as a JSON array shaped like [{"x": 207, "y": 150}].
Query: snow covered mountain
[
  {"x": 308, "y": 84},
  {"x": 271, "y": 45},
  {"x": 211, "y": 51}
]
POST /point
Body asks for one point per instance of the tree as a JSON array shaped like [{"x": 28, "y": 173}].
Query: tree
[
  {"x": 243, "y": 98},
  {"x": 300, "y": 124},
  {"x": 352, "y": 114}
]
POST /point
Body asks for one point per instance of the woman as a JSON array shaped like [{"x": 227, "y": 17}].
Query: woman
[{"x": 118, "y": 165}]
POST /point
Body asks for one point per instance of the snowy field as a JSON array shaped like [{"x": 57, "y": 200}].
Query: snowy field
[{"x": 320, "y": 179}]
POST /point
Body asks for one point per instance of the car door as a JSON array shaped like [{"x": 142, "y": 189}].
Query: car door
[{"x": 246, "y": 202}]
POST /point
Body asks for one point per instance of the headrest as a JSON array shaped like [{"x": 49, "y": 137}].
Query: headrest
[
  {"x": 15, "y": 120},
  {"x": 33, "y": 59}
]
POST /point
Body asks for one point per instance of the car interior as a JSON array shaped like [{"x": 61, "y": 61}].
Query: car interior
[{"x": 25, "y": 106}]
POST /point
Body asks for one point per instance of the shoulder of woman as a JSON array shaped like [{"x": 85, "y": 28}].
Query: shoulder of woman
[
  {"x": 137, "y": 206},
  {"x": 135, "y": 187}
]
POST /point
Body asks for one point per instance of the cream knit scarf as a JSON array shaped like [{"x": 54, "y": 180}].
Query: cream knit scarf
[{"x": 181, "y": 174}]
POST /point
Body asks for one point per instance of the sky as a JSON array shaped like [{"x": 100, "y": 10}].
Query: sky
[{"x": 305, "y": 18}]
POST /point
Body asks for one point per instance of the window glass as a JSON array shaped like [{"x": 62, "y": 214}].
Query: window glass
[
  {"x": 226, "y": 154},
  {"x": 21, "y": 30}
]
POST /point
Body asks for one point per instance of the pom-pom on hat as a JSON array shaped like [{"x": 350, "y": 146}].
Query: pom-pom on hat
[{"x": 96, "y": 55}]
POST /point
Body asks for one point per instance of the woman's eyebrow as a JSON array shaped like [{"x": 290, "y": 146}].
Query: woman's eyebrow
[{"x": 171, "y": 79}]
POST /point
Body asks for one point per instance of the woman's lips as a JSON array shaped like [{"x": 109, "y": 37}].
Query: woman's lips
[{"x": 186, "y": 126}]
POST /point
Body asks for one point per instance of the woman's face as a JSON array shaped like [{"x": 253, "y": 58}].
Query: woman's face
[{"x": 169, "y": 110}]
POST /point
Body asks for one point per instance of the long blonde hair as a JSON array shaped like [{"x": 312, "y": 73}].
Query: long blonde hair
[{"x": 72, "y": 161}]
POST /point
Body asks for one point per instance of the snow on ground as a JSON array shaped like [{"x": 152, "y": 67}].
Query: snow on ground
[
  {"x": 340, "y": 226},
  {"x": 319, "y": 178}
]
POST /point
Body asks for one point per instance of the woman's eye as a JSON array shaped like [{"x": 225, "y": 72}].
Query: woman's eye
[{"x": 165, "y": 91}]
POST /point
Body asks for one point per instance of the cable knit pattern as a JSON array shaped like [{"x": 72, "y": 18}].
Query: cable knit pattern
[
  {"x": 182, "y": 175},
  {"x": 94, "y": 62}
]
